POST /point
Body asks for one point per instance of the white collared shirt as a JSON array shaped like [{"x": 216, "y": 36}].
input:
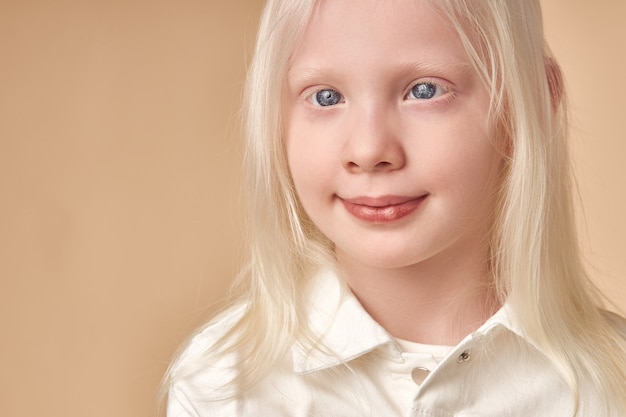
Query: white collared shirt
[{"x": 494, "y": 372}]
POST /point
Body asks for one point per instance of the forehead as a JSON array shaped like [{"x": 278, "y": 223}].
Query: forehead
[{"x": 376, "y": 31}]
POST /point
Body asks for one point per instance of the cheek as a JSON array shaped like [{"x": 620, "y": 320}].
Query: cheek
[
  {"x": 309, "y": 162},
  {"x": 478, "y": 165},
  {"x": 294, "y": 144},
  {"x": 467, "y": 165},
  {"x": 479, "y": 179}
]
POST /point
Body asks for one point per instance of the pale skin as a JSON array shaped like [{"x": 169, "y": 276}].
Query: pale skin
[{"x": 390, "y": 153}]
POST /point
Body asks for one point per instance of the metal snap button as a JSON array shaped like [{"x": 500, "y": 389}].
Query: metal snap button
[
  {"x": 419, "y": 374},
  {"x": 464, "y": 356}
]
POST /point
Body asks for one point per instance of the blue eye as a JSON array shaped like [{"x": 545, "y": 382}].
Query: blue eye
[
  {"x": 425, "y": 91},
  {"x": 327, "y": 97}
]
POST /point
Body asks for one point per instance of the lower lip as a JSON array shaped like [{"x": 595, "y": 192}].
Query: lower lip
[{"x": 386, "y": 214}]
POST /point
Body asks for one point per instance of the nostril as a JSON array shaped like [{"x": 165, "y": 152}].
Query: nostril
[
  {"x": 383, "y": 164},
  {"x": 379, "y": 166}
]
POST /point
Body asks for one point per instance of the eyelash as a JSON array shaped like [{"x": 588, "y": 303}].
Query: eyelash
[
  {"x": 441, "y": 91},
  {"x": 311, "y": 98}
]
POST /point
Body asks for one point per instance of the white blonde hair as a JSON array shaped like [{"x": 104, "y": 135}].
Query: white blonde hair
[
  {"x": 537, "y": 263},
  {"x": 535, "y": 255}
]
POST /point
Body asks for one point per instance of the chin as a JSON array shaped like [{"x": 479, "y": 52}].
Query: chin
[{"x": 386, "y": 259}]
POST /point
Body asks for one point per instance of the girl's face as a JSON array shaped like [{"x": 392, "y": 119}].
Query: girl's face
[{"x": 386, "y": 134}]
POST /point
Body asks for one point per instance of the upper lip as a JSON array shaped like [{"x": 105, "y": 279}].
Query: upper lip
[{"x": 382, "y": 201}]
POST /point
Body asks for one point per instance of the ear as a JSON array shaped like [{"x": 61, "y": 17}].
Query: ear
[{"x": 555, "y": 81}]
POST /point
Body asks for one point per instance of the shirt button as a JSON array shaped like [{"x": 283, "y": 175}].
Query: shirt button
[
  {"x": 464, "y": 356},
  {"x": 419, "y": 374}
]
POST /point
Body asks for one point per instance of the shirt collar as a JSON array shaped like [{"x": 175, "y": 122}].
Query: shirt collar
[{"x": 342, "y": 330}]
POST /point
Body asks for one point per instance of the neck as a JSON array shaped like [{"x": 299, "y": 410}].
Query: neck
[{"x": 439, "y": 301}]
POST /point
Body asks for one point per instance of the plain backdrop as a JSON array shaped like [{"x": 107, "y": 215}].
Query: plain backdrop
[{"x": 119, "y": 161}]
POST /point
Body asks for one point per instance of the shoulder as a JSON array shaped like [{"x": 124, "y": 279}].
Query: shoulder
[
  {"x": 210, "y": 334},
  {"x": 204, "y": 368}
]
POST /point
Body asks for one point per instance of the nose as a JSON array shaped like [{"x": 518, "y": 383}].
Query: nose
[{"x": 373, "y": 143}]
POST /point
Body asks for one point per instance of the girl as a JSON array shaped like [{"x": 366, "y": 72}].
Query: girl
[{"x": 412, "y": 241}]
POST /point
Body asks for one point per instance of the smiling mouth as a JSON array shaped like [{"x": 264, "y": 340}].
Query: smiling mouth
[{"x": 379, "y": 210}]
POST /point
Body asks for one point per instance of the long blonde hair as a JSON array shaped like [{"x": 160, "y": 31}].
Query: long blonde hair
[{"x": 535, "y": 254}]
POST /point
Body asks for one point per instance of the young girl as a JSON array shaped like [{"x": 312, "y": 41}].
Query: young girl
[{"x": 412, "y": 241}]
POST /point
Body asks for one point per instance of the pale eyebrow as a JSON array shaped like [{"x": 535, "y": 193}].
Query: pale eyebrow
[
  {"x": 297, "y": 77},
  {"x": 434, "y": 68}
]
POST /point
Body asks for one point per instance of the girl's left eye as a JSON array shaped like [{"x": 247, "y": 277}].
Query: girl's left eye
[{"x": 426, "y": 91}]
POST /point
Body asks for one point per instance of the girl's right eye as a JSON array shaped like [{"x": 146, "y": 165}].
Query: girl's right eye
[{"x": 326, "y": 97}]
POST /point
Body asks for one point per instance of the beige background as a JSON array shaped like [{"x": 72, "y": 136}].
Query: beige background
[{"x": 118, "y": 183}]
